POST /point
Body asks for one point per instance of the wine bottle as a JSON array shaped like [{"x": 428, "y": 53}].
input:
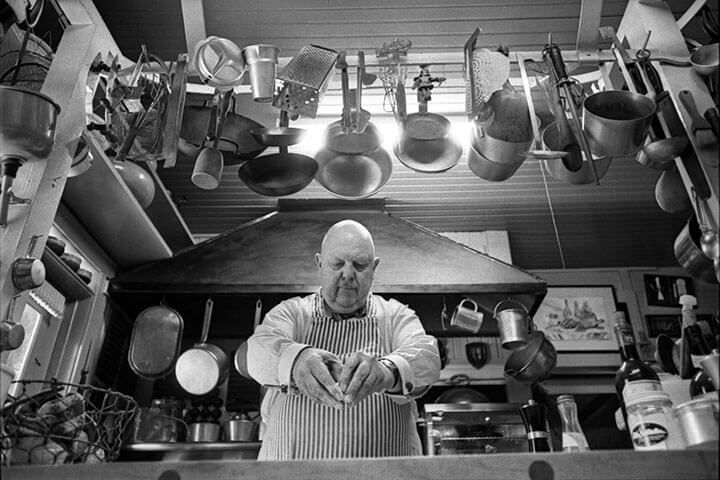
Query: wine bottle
[
  {"x": 634, "y": 374},
  {"x": 700, "y": 383}
]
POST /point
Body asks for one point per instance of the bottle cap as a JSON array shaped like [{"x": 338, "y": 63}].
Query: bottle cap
[
  {"x": 687, "y": 301},
  {"x": 565, "y": 398}
]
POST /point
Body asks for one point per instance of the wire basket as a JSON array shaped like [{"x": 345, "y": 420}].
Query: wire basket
[{"x": 63, "y": 423}]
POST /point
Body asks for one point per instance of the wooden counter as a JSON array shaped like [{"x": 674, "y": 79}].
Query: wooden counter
[{"x": 600, "y": 465}]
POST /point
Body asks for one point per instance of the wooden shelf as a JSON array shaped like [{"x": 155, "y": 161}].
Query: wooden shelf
[
  {"x": 63, "y": 277},
  {"x": 106, "y": 207}
]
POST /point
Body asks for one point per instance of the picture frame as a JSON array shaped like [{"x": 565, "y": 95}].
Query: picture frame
[
  {"x": 665, "y": 290},
  {"x": 578, "y": 318},
  {"x": 670, "y": 324},
  {"x": 665, "y": 324}
]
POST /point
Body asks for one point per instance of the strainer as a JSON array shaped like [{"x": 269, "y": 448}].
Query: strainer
[
  {"x": 486, "y": 73},
  {"x": 219, "y": 63},
  {"x": 305, "y": 79}
]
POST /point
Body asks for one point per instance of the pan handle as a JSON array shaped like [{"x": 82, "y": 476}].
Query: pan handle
[{"x": 206, "y": 320}]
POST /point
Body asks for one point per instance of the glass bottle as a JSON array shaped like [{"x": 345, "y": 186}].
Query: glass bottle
[
  {"x": 689, "y": 324},
  {"x": 634, "y": 374},
  {"x": 534, "y": 416},
  {"x": 573, "y": 437}
]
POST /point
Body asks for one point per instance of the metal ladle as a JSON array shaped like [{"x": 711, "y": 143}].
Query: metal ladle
[
  {"x": 709, "y": 241},
  {"x": 658, "y": 154}
]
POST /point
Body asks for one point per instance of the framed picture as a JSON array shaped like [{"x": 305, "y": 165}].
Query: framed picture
[
  {"x": 667, "y": 324},
  {"x": 671, "y": 324},
  {"x": 578, "y": 318},
  {"x": 665, "y": 290}
]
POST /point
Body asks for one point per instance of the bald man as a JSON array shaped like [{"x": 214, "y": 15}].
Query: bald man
[{"x": 343, "y": 366}]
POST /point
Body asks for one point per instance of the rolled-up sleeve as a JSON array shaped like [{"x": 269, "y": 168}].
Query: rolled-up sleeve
[
  {"x": 413, "y": 351},
  {"x": 273, "y": 348}
]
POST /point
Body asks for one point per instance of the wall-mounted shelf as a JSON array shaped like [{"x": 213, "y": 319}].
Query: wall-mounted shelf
[
  {"x": 104, "y": 204},
  {"x": 63, "y": 277}
]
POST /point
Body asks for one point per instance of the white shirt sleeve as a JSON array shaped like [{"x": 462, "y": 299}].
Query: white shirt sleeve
[
  {"x": 414, "y": 352},
  {"x": 274, "y": 346}
]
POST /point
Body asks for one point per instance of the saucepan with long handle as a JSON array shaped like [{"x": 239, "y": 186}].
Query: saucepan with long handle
[{"x": 201, "y": 368}]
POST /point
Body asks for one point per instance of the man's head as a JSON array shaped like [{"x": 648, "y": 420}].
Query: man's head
[{"x": 347, "y": 265}]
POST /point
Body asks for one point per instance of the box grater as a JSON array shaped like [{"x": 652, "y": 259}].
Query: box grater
[{"x": 305, "y": 79}]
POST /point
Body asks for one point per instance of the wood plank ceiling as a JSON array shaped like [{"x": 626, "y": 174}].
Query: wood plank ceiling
[{"x": 617, "y": 223}]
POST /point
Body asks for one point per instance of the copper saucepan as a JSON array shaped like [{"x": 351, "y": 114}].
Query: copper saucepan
[{"x": 201, "y": 368}]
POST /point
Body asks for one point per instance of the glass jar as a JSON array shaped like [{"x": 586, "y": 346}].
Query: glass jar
[
  {"x": 160, "y": 422},
  {"x": 650, "y": 421}
]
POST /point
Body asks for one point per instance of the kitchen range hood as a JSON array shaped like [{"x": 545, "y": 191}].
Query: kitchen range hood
[{"x": 275, "y": 254}]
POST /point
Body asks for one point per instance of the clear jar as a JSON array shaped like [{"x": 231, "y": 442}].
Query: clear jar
[
  {"x": 651, "y": 423},
  {"x": 698, "y": 421}
]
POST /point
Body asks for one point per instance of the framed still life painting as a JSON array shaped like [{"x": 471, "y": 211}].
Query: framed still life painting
[{"x": 578, "y": 318}]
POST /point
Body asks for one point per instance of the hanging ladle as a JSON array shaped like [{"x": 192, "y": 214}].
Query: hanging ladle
[
  {"x": 578, "y": 143},
  {"x": 538, "y": 151},
  {"x": 709, "y": 242},
  {"x": 658, "y": 154}
]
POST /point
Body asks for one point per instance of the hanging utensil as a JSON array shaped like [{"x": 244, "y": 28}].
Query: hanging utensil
[
  {"x": 155, "y": 341},
  {"x": 282, "y": 173},
  {"x": 538, "y": 150},
  {"x": 240, "y": 357},
  {"x": 553, "y": 57},
  {"x": 208, "y": 168},
  {"x": 709, "y": 242},
  {"x": 27, "y": 131},
  {"x": 353, "y": 134},
  {"x": 204, "y": 366},
  {"x": 282, "y": 135},
  {"x": 362, "y": 117},
  {"x": 424, "y": 144}
]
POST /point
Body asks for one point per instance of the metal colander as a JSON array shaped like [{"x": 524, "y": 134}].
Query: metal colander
[{"x": 305, "y": 79}]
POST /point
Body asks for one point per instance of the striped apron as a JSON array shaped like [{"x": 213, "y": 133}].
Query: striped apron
[{"x": 375, "y": 427}]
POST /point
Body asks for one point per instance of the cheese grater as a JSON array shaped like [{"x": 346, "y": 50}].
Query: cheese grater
[{"x": 305, "y": 79}]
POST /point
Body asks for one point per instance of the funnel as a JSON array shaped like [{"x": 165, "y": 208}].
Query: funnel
[{"x": 27, "y": 131}]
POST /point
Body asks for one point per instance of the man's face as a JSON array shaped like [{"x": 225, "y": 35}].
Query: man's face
[{"x": 347, "y": 268}]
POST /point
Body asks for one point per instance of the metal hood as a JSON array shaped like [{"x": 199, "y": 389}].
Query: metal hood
[{"x": 275, "y": 254}]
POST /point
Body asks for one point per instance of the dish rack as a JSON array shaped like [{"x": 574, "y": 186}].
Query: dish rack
[
  {"x": 305, "y": 79},
  {"x": 63, "y": 423}
]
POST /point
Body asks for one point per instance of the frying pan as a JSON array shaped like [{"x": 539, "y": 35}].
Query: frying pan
[
  {"x": 282, "y": 135},
  {"x": 202, "y": 367},
  {"x": 432, "y": 150},
  {"x": 353, "y": 176},
  {"x": 278, "y": 174},
  {"x": 236, "y": 143},
  {"x": 155, "y": 341}
]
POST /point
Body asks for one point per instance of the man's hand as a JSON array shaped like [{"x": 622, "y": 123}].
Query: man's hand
[
  {"x": 362, "y": 375},
  {"x": 315, "y": 373}
]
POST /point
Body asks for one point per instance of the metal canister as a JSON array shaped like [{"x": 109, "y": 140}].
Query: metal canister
[
  {"x": 698, "y": 421},
  {"x": 240, "y": 428}
]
